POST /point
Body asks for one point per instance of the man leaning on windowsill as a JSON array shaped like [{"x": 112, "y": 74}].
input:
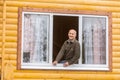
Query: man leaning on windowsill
[{"x": 70, "y": 50}]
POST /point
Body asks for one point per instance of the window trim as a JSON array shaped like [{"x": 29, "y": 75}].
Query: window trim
[{"x": 65, "y": 12}]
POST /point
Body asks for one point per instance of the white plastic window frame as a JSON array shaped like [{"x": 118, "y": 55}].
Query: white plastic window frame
[{"x": 79, "y": 66}]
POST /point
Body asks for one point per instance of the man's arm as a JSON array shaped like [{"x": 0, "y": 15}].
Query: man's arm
[{"x": 60, "y": 54}]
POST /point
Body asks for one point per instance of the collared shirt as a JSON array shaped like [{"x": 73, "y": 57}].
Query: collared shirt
[{"x": 70, "y": 52}]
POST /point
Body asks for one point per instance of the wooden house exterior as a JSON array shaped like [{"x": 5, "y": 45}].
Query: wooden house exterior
[{"x": 9, "y": 42}]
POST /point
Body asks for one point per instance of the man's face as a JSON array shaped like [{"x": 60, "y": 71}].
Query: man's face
[{"x": 72, "y": 34}]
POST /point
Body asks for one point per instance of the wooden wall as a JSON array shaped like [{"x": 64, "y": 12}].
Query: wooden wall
[
  {"x": 1, "y": 6},
  {"x": 9, "y": 25}
]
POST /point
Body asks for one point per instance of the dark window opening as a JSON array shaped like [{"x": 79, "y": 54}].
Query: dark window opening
[{"x": 61, "y": 26}]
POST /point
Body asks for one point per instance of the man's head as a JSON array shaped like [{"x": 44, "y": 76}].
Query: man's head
[{"x": 72, "y": 34}]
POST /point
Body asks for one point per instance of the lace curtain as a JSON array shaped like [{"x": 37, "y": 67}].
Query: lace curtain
[
  {"x": 35, "y": 38},
  {"x": 94, "y": 40}
]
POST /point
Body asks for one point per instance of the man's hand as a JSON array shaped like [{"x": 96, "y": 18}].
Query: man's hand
[
  {"x": 66, "y": 64},
  {"x": 55, "y": 63}
]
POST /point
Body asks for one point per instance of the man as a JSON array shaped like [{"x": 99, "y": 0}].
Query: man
[{"x": 70, "y": 51}]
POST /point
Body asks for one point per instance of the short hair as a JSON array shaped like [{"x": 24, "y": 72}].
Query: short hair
[{"x": 73, "y": 29}]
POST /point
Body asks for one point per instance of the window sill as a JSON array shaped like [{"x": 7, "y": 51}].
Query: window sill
[{"x": 71, "y": 67}]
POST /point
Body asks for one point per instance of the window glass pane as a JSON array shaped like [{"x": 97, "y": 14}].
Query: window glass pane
[
  {"x": 94, "y": 40},
  {"x": 35, "y": 38}
]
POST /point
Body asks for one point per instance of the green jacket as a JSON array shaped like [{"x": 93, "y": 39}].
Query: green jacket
[{"x": 70, "y": 52}]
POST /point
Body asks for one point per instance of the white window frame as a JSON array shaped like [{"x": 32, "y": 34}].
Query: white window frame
[{"x": 79, "y": 66}]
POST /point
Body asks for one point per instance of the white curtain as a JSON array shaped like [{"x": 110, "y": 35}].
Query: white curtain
[
  {"x": 94, "y": 40},
  {"x": 35, "y": 37}
]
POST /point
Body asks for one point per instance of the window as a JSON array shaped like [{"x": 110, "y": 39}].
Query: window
[
  {"x": 94, "y": 42},
  {"x": 42, "y": 33},
  {"x": 35, "y": 38}
]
